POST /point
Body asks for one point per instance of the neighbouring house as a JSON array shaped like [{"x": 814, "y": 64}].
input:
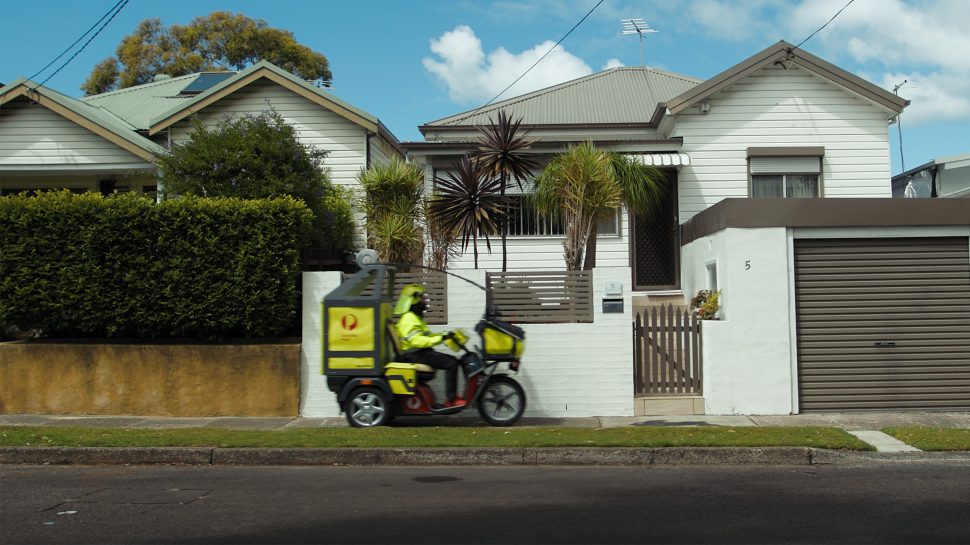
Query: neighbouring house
[
  {"x": 106, "y": 142},
  {"x": 946, "y": 177},
  {"x": 834, "y": 295}
]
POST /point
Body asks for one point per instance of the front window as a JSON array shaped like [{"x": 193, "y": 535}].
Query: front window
[
  {"x": 525, "y": 221},
  {"x": 784, "y": 185},
  {"x": 786, "y": 172}
]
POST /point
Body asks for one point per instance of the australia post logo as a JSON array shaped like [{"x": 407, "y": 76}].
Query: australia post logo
[{"x": 349, "y": 322}]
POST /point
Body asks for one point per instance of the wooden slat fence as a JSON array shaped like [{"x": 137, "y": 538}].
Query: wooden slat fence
[
  {"x": 542, "y": 296},
  {"x": 667, "y": 352},
  {"x": 436, "y": 284}
]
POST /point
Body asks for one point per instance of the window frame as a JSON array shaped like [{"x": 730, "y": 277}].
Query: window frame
[{"x": 817, "y": 152}]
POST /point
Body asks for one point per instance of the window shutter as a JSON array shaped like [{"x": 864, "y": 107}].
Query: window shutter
[{"x": 785, "y": 165}]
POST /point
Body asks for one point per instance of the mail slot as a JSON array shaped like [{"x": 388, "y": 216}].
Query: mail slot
[
  {"x": 612, "y": 306},
  {"x": 885, "y": 344}
]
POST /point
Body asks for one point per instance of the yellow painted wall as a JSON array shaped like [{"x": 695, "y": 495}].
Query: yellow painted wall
[{"x": 150, "y": 379}]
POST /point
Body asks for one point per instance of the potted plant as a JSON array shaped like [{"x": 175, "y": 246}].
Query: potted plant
[{"x": 706, "y": 305}]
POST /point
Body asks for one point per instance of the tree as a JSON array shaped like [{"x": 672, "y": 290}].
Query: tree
[
  {"x": 219, "y": 41},
  {"x": 587, "y": 185},
  {"x": 468, "y": 203},
  {"x": 503, "y": 154},
  {"x": 259, "y": 156},
  {"x": 393, "y": 205}
]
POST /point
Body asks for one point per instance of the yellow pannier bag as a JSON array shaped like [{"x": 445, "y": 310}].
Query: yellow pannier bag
[{"x": 501, "y": 340}]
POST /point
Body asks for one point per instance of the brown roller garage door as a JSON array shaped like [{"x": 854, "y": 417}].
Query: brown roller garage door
[{"x": 883, "y": 323}]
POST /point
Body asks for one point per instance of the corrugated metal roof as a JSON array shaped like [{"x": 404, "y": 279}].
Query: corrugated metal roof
[
  {"x": 261, "y": 65},
  {"x": 99, "y": 116},
  {"x": 140, "y": 104},
  {"x": 617, "y": 95}
]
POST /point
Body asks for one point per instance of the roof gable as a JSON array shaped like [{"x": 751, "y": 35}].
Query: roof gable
[
  {"x": 616, "y": 96},
  {"x": 259, "y": 71},
  {"x": 97, "y": 120},
  {"x": 785, "y": 54}
]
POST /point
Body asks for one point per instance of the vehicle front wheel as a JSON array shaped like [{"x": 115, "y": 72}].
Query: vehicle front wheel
[
  {"x": 367, "y": 407},
  {"x": 502, "y": 402}
]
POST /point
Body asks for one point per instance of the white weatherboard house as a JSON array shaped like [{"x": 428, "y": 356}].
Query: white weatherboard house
[
  {"x": 834, "y": 296},
  {"x": 106, "y": 142}
]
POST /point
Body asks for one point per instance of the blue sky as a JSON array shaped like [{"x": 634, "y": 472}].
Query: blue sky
[{"x": 410, "y": 62}]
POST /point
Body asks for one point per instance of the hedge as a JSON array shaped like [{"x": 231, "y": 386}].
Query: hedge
[{"x": 124, "y": 266}]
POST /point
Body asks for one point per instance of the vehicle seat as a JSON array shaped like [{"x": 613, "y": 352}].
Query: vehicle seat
[{"x": 425, "y": 372}]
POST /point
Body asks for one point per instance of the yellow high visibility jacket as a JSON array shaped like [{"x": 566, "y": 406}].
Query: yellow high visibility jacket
[{"x": 414, "y": 332}]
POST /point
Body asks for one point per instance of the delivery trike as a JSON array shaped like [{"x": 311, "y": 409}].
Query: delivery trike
[{"x": 361, "y": 354}]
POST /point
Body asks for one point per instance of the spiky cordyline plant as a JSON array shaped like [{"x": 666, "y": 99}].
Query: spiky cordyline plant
[
  {"x": 468, "y": 203},
  {"x": 503, "y": 154}
]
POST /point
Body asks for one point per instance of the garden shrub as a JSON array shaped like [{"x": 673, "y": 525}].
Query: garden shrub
[{"x": 124, "y": 266}]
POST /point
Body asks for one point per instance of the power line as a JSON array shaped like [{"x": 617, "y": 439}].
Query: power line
[
  {"x": 590, "y": 12},
  {"x": 93, "y": 36},
  {"x": 81, "y": 37},
  {"x": 825, "y": 25}
]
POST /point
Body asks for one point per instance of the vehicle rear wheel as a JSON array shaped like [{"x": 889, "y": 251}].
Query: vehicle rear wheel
[
  {"x": 367, "y": 407},
  {"x": 502, "y": 402}
]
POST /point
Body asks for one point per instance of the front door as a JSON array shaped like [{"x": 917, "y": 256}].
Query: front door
[{"x": 656, "y": 244}]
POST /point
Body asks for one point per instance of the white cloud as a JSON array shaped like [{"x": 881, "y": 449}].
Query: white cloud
[
  {"x": 934, "y": 96},
  {"x": 471, "y": 75},
  {"x": 613, "y": 63},
  {"x": 924, "y": 43}
]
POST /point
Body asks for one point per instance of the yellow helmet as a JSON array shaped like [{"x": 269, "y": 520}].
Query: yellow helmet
[{"x": 410, "y": 294}]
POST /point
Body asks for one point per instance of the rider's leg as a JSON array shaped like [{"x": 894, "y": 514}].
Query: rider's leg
[{"x": 445, "y": 362}]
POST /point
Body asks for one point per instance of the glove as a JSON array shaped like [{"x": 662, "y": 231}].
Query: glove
[{"x": 448, "y": 336}]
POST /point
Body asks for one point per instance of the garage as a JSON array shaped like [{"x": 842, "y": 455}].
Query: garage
[{"x": 882, "y": 323}]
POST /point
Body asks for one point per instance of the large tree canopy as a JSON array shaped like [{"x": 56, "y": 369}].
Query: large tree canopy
[{"x": 219, "y": 41}]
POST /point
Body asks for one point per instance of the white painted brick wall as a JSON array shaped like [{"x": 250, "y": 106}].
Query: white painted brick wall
[{"x": 567, "y": 369}]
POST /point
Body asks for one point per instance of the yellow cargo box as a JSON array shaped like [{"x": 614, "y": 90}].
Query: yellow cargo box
[
  {"x": 355, "y": 317},
  {"x": 402, "y": 377}
]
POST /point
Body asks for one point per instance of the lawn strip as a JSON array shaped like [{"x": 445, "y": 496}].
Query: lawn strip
[
  {"x": 640, "y": 436},
  {"x": 932, "y": 439}
]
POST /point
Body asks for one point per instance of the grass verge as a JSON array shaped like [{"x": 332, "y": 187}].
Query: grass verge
[
  {"x": 830, "y": 438},
  {"x": 932, "y": 439}
]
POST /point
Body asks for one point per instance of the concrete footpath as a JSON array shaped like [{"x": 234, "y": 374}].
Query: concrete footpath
[{"x": 866, "y": 426}]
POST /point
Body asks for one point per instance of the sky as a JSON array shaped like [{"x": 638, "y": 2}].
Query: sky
[{"x": 411, "y": 62}]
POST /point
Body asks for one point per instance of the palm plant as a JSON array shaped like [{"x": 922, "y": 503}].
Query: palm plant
[
  {"x": 392, "y": 203},
  {"x": 587, "y": 185},
  {"x": 503, "y": 155},
  {"x": 469, "y": 204}
]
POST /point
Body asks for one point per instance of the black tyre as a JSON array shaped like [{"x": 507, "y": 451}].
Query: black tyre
[
  {"x": 502, "y": 401},
  {"x": 368, "y": 407}
]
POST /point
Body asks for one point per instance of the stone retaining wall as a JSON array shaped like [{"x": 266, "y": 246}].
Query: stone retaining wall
[{"x": 150, "y": 379}]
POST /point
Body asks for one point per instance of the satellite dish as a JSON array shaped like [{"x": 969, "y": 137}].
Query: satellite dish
[{"x": 366, "y": 257}]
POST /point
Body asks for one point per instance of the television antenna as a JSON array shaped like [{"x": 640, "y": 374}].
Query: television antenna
[
  {"x": 639, "y": 27},
  {"x": 899, "y": 127}
]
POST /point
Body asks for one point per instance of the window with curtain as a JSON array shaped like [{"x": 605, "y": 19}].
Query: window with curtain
[
  {"x": 791, "y": 177},
  {"x": 784, "y": 185}
]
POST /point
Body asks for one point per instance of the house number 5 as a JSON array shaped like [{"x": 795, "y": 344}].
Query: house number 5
[{"x": 747, "y": 265}]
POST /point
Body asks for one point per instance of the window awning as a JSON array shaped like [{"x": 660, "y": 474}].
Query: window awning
[{"x": 664, "y": 159}]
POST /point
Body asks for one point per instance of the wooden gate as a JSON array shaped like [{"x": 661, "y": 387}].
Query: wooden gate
[{"x": 667, "y": 352}]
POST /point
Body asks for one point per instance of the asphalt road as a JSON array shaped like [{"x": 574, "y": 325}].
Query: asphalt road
[{"x": 888, "y": 503}]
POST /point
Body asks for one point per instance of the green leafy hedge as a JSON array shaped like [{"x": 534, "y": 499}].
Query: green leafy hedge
[{"x": 124, "y": 266}]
